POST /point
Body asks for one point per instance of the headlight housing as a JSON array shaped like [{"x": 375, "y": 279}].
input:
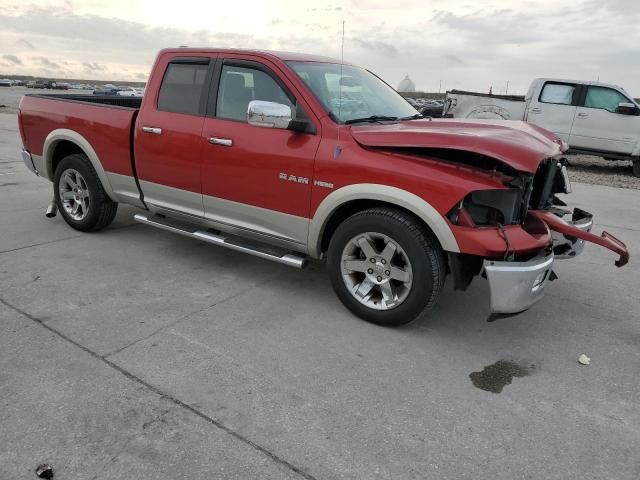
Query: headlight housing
[{"x": 483, "y": 208}]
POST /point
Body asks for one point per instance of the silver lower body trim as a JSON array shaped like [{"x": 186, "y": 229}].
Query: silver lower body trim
[
  {"x": 238, "y": 218},
  {"x": 125, "y": 188},
  {"x": 28, "y": 161},
  {"x": 516, "y": 286},
  {"x": 287, "y": 258},
  {"x": 172, "y": 198}
]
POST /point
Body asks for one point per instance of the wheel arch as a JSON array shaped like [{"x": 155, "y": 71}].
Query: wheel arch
[
  {"x": 62, "y": 142},
  {"x": 348, "y": 200}
]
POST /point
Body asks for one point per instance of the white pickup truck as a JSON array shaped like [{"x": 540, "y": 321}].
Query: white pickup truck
[{"x": 593, "y": 118}]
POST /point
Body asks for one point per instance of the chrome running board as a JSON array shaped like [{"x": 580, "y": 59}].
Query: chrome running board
[{"x": 268, "y": 252}]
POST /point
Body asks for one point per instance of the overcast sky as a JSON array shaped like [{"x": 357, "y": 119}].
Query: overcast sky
[{"x": 467, "y": 44}]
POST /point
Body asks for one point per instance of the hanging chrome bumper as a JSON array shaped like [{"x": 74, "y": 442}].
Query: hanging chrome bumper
[{"x": 515, "y": 286}]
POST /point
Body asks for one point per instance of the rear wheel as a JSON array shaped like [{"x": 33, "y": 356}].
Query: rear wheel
[
  {"x": 79, "y": 195},
  {"x": 385, "y": 266}
]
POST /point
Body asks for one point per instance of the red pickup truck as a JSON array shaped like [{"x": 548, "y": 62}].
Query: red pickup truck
[{"x": 288, "y": 156}]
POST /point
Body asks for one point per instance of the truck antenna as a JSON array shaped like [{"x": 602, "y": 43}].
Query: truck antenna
[{"x": 338, "y": 150}]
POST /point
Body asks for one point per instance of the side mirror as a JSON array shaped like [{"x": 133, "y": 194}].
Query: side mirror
[
  {"x": 268, "y": 114},
  {"x": 627, "y": 108}
]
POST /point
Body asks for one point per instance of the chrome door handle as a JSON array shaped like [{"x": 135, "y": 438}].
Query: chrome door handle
[
  {"x": 154, "y": 130},
  {"x": 535, "y": 110},
  {"x": 227, "y": 142},
  {"x": 583, "y": 115}
]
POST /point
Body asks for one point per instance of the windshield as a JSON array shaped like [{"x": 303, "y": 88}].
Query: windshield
[{"x": 349, "y": 93}]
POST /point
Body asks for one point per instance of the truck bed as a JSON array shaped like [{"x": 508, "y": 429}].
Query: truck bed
[
  {"x": 512, "y": 98},
  {"x": 105, "y": 122},
  {"x": 106, "y": 100},
  {"x": 463, "y": 104}
]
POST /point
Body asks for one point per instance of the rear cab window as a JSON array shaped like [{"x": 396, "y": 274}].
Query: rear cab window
[
  {"x": 558, "y": 93},
  {"x": 183, "y": 86}
]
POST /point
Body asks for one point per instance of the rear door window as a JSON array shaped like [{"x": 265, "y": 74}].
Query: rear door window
[
  {"x": 182, "y": 88},
  {"x": 558, "y": 93}
]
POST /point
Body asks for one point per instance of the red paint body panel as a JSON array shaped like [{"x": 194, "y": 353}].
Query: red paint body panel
[
  {"x": 173, "y": 158},
  {"x": 441, "y": 184},
  {"x": 249, "y": 172},
  {"x": 518, "y": 144},
  {"x": 489, "y": 242},
  {"x": 106, "y": 128}
]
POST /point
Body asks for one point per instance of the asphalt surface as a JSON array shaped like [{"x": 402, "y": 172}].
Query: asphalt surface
[{"x": 136, "y": 353}]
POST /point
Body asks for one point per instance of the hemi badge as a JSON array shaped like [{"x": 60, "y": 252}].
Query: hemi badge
[{"x": 320, "y": 183}]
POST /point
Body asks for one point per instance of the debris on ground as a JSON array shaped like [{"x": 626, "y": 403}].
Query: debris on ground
[
  {"x": 44, "y": 471},
  {"x": 584, "y": 360}
]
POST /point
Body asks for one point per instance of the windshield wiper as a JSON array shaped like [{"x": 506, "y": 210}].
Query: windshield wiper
[
  {"x": 417, "y": 116},
  {"x": 371, "y": 119}
]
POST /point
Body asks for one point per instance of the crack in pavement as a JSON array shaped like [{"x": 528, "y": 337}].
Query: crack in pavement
[
  {"x": 167, "y": 396},
  {"x": 188, "y": 315},
  {"x": 43, "y": 243},
  {"x": 67, "y": 238}
]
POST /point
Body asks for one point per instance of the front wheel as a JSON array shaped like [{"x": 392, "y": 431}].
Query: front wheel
[
  {"x": 385, "y": 266},
  {"x": 79, "y": 195}
]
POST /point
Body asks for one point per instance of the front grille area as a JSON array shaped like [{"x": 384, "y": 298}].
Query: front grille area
[{"x": 547, "y": 181}]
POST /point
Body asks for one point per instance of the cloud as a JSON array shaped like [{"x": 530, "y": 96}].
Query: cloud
[
  {"x": 453, "y": 59},
  {"x": 26, "y": 43},
  {"x": 45, "y": 62},
  {"x": 94, "y": 67},
  {"x": 13, "y": 59},
  {"x": 491, "y": 26},
  {"x": 622, "y": 8},
  {"x": 377, "y": 46},
  {"x": 467, "y": 45}
]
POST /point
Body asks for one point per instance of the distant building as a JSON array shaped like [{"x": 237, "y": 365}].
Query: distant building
[{"x": 406, "y": 85}]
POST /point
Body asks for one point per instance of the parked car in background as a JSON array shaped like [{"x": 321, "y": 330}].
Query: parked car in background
[
  {"x": 432, "y": 108},
  {"x": 411, "y": 101},
  {"x": 5, "y": 82},
  {"x": 54, "y": 85},
  {"x": 36, "y": 84},
  {"x": 256, "y": 152},
  {"x": 593, "y": 118},
  {"x": 130, "y": 92},
  {"x": 107, "y": 89}
]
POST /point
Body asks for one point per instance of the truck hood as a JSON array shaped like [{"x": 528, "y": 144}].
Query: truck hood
[{"x": 520, "y": 145}]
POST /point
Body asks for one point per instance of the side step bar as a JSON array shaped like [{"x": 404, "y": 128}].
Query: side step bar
[{"x": 268, "y": 252}]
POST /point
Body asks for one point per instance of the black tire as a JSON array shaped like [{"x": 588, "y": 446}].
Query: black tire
[
  {"x": 102, "y": 210},
  {"x": 636, "y": 168},
  {"x": 426, "y": 257}
]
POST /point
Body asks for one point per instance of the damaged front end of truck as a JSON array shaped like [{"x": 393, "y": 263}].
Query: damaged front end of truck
[
  {"x": 513, "y": 232},
  {"x": 536, "y": 229}
]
